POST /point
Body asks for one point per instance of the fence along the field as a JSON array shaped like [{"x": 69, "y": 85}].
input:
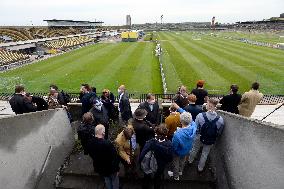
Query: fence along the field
[
  {"x": 167, "y": 98},
  {"x": 159, "y": 54}
]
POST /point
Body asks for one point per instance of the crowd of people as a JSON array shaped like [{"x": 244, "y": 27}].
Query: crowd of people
[{"x": 144, "y": 144}]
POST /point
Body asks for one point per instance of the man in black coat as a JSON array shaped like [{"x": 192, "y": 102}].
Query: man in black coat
[
  {"x": 152, "y": 108},
  {"x": 181, "y": 97},
  {"x": 105, "y": 158},
  {"x": 124, "y": 105},
  {"x": 231, "y": 101},
  {"x": 86, "y": 98},
  {"x": 19, "y": 103},
  {"x": 143, "y": 130},
  {"x": 41, "y": 104}
]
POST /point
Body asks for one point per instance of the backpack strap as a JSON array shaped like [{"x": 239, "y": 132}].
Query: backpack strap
[
  {"x": 216, "y": 119},
  {"x": 205, "y": 117},
  {"x": 207, "y": 120}
]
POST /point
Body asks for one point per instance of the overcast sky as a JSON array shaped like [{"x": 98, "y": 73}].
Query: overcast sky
[{"x": 113, "y": 12}]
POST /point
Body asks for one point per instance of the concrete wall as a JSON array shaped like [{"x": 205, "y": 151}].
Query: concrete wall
[
  {"x": 249, "y": 154},
  {"x": 32, "y": 148}
]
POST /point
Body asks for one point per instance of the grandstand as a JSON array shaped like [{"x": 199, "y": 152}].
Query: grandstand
[
  {"x": 23, "y": 34},
  {"x": 8, "y": 57},
  {"x": 55, "y": 28},
  {"x": 68, "y": 42},
  {"x": 17, "y": 42}
]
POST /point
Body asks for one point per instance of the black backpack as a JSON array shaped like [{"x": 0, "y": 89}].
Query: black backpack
[
  {"x": 92, "y": 100},
  {"x": 149, "y": 163},
  {"x": 209, "y": 130},
  {"x": 66, "y": 97}
]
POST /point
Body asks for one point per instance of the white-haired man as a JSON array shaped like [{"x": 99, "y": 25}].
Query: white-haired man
[
  {"x": 124, "y": 105},
  {"x": 105, "y": 158},
  {"x": 182, "y": 144}
]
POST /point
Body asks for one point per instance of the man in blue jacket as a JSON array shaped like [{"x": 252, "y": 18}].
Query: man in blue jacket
[{"x": 182, "y": 144}]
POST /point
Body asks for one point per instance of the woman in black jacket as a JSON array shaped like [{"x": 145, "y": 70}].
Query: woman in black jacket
[
  {"x": 108, "y": 100},
  {"x": 86, "y": 130}
]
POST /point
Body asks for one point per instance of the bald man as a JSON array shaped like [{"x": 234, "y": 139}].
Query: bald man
[
  {"x": 105, "y": 158},
  {"x": 124, "y": 105}
]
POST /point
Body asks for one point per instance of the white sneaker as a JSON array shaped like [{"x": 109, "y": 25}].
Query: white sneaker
[
  {"x": 180, "y": 173},
  {"x": 170, "y": 173},
  {"x": 176, "y": 178},
  {"x": 190, "y": 161}
]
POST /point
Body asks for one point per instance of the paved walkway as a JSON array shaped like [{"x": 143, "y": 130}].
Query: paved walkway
[
  {"x": 263, "y": 110},
  {"x": 5, "y": 109}
]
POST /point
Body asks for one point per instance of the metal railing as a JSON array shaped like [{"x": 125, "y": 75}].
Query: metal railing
[{"x": 267, "y": 99}]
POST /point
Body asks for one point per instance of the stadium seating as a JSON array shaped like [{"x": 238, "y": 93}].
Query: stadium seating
[
  {"x": 68, "y": 42},
  {"x": 22, "y": 34},
  {"x": 15, "y": 34},
  {"x": 7, "y": 57}
]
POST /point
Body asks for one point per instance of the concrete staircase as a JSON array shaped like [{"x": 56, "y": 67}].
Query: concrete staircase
[{"x": 79, "y": 174}]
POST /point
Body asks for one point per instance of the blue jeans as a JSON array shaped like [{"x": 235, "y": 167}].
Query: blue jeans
[{"x": 112, "y": 181}]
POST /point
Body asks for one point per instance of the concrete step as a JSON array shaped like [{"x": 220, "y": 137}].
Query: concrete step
[
  {"x": 80, "y": 175},
  {"x": 82, "y": 182}
]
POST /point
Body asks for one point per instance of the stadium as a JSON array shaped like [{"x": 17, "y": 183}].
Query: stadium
[
  {"x": 188, "y": 55},
  {"x": 153, "y": 61}
]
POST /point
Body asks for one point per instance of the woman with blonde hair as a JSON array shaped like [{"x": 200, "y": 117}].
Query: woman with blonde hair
[{"x": 108, "y": 100}]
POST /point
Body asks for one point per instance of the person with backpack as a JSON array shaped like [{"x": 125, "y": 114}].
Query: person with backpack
[
  {"x": 182, "y": 143},
  {"x": 100, "y": 115},
  {"x": 156, "y": 154},
  {"x": 210, "y": 126}
]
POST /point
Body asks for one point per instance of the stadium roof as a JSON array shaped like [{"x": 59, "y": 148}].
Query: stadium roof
[{"x": 55, "y": 20}]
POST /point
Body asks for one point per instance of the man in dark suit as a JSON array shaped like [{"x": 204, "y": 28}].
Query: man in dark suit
[
  {"x": 19, "y": 103},
  {"x": 41, "y": 104},
  {"x": 231, "y": 101},
  {"x": 124, "y": 105},
  {"x": 152, "y": 108}
]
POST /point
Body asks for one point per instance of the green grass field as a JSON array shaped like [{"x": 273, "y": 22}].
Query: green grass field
[
  {"x": 100, "y": 65},
  {"x": 267, "y": 37},
  {"x": 188, "y": 56}
]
